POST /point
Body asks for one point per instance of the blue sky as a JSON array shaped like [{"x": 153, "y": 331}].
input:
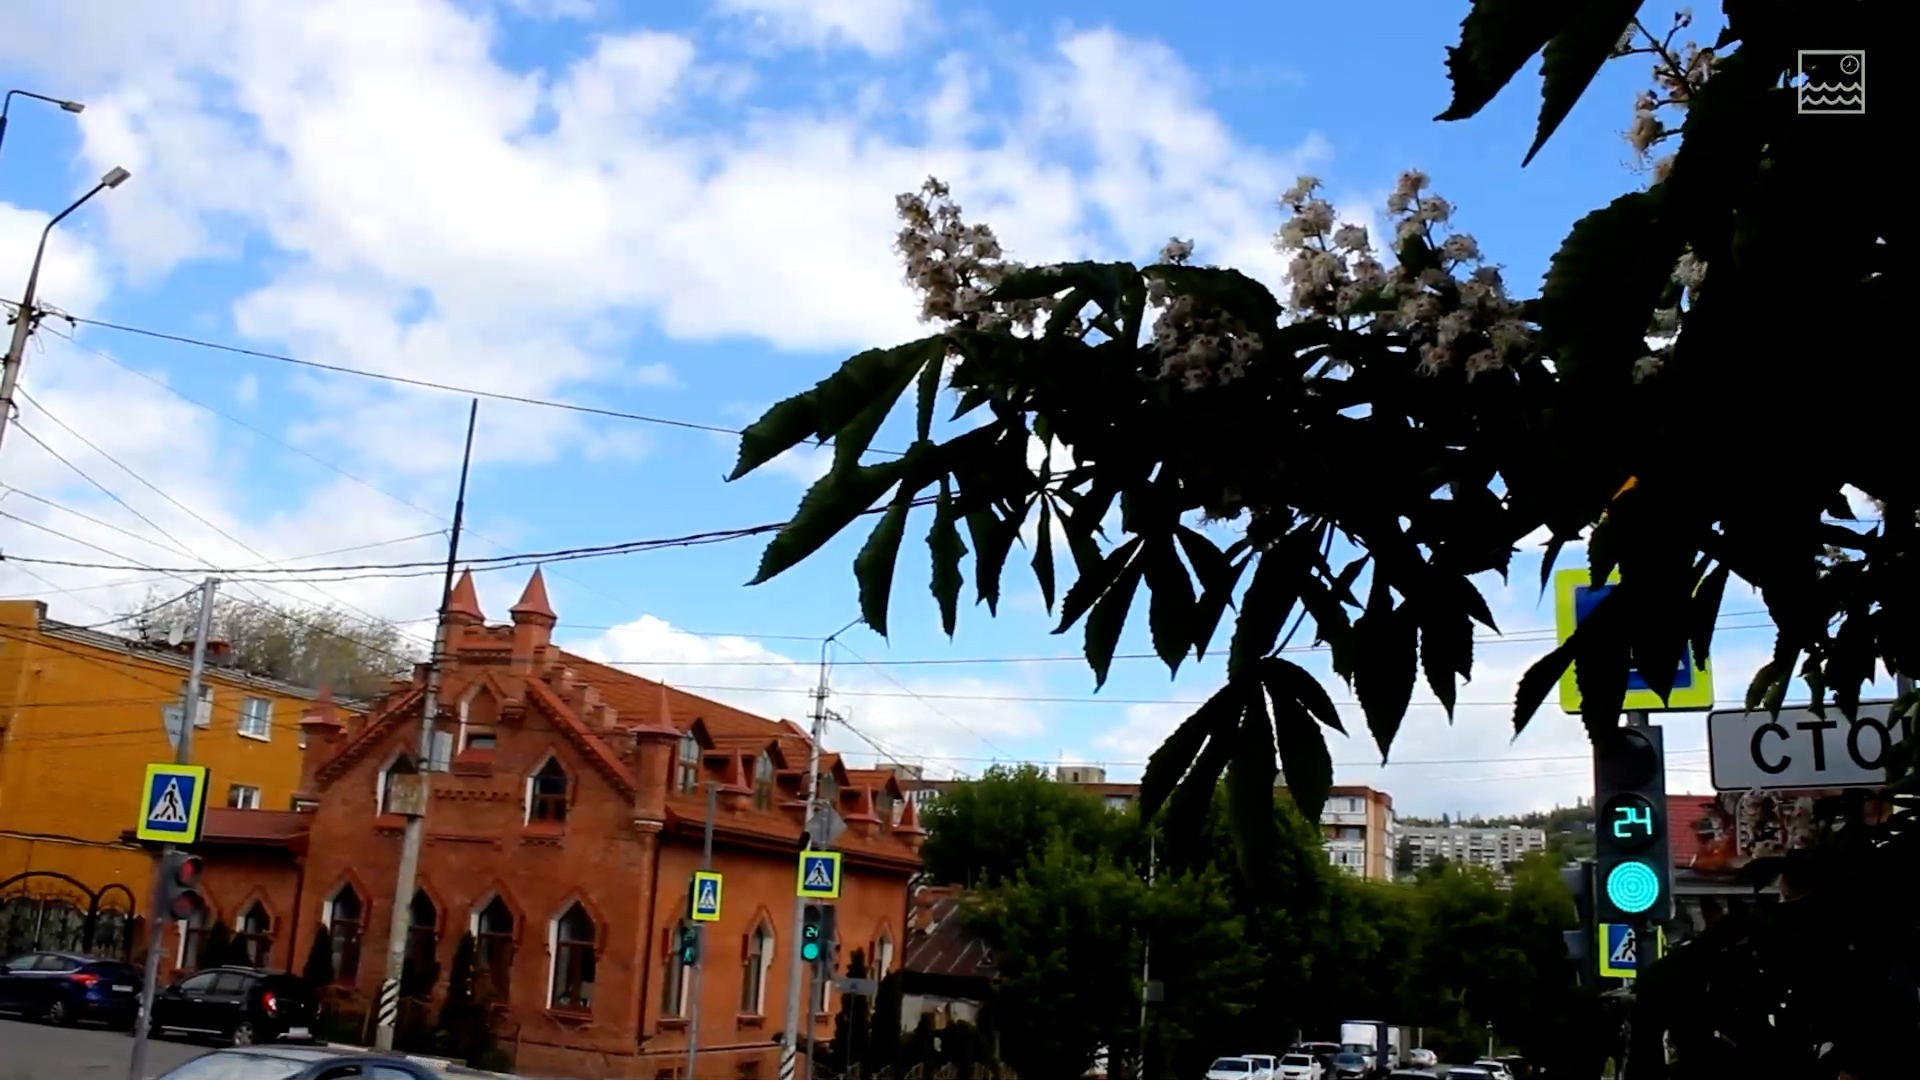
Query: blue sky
[{"x": 683, "y": 209}]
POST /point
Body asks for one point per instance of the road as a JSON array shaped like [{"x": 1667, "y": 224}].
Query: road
[{"x": 39, "y": 1052}]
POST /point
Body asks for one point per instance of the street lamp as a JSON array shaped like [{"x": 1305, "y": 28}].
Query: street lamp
[
  {"x": 5, "y": 106},
  {"x": 23, "y": 318}
]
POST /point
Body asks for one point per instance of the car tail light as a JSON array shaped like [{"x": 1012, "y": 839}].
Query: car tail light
[
  {"x": 268, "y": 1003},
  {"x": 84, "y": 978}
]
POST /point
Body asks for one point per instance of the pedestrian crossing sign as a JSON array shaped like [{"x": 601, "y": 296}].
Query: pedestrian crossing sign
[
  {"x": 1620, "y": 949},
  {"x": 819, "y": 877},
  {"x": 706, "y": 896},
  {"x": 173, "y": 800}
]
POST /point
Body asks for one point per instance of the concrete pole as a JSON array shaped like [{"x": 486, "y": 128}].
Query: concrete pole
[
  {"x": 182, "y": 753},
  {"x": 700, "y": 938},
  {"x": 790, "y": 1043}
]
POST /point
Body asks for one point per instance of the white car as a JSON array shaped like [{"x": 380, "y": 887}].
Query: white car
[
  {"x": 1237, "y": 1068},
  {"x": 1298, "y": 1067},
  {"x": 1498, "y": 1069},
  {"x": 1265, "y": 1066},
  {"x": 1421, "y": 1058}
]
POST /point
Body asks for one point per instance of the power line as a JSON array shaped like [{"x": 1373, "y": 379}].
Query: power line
[{"x": 1051, "y": 699}]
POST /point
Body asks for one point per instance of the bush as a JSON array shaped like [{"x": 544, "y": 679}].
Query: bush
[{"x": 319, "y": 967}]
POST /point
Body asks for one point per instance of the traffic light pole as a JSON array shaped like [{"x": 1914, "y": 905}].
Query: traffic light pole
[
  {"x": 790, "y": 1041},
  {"x": 182, "y": 753},
  {"x": 700, "y": 938}
]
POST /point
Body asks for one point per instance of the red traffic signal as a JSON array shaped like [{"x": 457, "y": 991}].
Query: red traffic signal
[{"x": 180, "y": 898}]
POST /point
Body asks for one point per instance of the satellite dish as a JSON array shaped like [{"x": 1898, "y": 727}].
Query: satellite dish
[{"x": 176, "y": 633}]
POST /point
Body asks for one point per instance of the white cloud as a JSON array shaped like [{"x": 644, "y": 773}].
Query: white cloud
[{"x": 880, "y": 26}]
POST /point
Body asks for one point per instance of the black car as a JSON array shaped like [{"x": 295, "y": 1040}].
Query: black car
[
  {"x": 61, "y": 988},
  {"x": 243, "y": 1005},
  {"x": 299, "y": 1063},
  {"x": 1348, "y": 1065}
]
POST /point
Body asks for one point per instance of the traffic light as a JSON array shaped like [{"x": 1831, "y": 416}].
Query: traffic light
[
  {"x": 180, "y": 898},
  {"x": 688, "y": 944},
  {"x": 816, "y": 935},
  {"x": 1633, "y": 867},
  {"x": 1579, "y": 881}
]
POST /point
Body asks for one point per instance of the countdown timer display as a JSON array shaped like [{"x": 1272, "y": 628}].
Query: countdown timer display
[
  {"x": 1633, "y": 887},
  {"x": 1629, "y": 823}
]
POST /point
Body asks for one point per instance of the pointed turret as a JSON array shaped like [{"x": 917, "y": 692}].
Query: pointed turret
[
  {"x": 533, "y": 622},
  {"x": 463, "y": 604},
  {"x": 533, "y": 605}
]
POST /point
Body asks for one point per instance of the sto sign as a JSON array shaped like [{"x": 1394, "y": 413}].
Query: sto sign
[{"x": 1799, "y": 749}]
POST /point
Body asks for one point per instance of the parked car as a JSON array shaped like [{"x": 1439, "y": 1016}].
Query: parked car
[
  {"x": 300, "y": 1063},
  {"x": 62, "y": 988},
  {"x": 245, "y": 1006},
  {"x": 1300, "y": 1067},
  {"x": 1232, "y": 1068},
  {"x": 1422, "y": 1058},
  {"x": 1467, "y": 1072},
  {"x": 1498, "y": 1069},
  {"x": 1413, "y": 1074},
  {"x": 1265, "y": 1066},
  {"x": 1348, "y": 1065}
]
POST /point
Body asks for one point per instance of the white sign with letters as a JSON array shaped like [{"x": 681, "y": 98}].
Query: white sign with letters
[{"x": 1799, "y": 749}]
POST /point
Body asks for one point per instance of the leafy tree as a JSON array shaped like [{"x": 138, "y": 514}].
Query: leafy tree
[
  {"x": 1210, "y": 970},
  {"x": 883, "y": 1048},
  {"x": 216, "y": 949},
  {"x": 318, "y": 971},
  {"x": 306, "y": 646},
  {"x": 981, "y": 831},
  {"x": 853, "y": 1025},
  {"x": 465, "y": 1028}
]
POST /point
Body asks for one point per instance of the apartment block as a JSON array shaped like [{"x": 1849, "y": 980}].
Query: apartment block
[{"x": 1491, "y": 846}]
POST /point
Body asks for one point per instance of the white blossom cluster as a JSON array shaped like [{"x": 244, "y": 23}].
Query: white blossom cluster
[
  {"x": 1677, "y": 76},
  {"x": 1457, "y": 312},
  {"x": 955, "y": 266},
  {"x": 1199, "y": 345}
]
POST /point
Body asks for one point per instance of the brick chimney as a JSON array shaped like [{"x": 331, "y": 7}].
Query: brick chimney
[
  {"x": 533, "y": 623},
  {"x": 322, "y": 732},
  {"x": 653, "y": 747}
]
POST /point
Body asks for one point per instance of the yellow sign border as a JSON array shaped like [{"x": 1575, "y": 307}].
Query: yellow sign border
[
  {"x": 1659, "y": 950},
  {"x": 1699, "y": 696},
  {"x": 800, "y": 875},
  {"x": 196, "y": 813},
  {"x": 719, "y": 895}
]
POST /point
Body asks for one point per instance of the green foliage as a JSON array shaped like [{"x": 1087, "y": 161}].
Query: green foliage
[
  {"x": 465, "y": 1030},
  {"x": 984, "y": 831},
  {"x": 306, "y": 646},
  {"x": 853, "y": 1024},
  {"x": 883, "y": 1046},
  {"x": 318, "y": 970}
]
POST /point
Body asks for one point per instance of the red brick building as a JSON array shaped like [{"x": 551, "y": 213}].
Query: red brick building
[{"x": 565, "y": 819}]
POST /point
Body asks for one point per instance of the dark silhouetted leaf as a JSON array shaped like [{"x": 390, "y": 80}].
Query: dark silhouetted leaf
[
  {"x": 1385, "y": 664},
  {"x": 1269, "y": 598},
  {"x": 1250, "y": 784},
  {"x": 1094, "y": 582},
  {"x": 1043, "y": 553},
  {"x": 1573, "y": 57},
  {"x": 1109, "y": 616},
  {"x": 1706, "y": 612},
  {"x": 1446, "y": 651},
  {"x": 993, "y": 538},
  {"x": 1219, "y": 572},
  {"x": 1330, "y": 625},
  {"x": 1286, "y": 679},
  {"x": 943, "y": 541},
  {"x": 1537, "y": 683},
  {"x": 1497, "y": 38},
  {"x": 830, "y": 505},
  {"x": 1217, "y": 717},
  {"x": 1170, "y": 614},
  {"x": 1187, "y": 808},
  {"x": 873, "y": 567},
  {"x": 1625, "y": 251},
  {"x": 929, "y": 394},
  {"x": 1602, "y": 655},
  {"x": 1303, "y": 756}
]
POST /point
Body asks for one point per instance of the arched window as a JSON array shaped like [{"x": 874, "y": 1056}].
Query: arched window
[
  {"x": 402, "y": 766},
  {"x": 882, "y": 956},
  {"x": 346, "y": 915},
  {"x": 192, "y": 940},
  {"x": 829, "y": 790},
  {"x": 253, "y": 935},
  {"x": 763, "y": 782},
  {"x": 883, "y": 807},
  {"x": 493, "y": 949},
  {"x": 573, "y": 934},
  {"x": 423, "y": 940},
  {"x": 687, "y": 768},
  {"x": 753, "y": 977},
  {"x": 547, "y": 793}
]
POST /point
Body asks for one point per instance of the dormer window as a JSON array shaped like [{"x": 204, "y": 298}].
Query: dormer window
[
  {"x": 687, "y": 768},
  {"x": 883, "y": 807},
  {"x": 763, "y": 777},
  {"x": 547, "y": 793},
  {"x": 829, "y": 791}
]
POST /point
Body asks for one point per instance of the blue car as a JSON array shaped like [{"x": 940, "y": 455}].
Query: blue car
[{"x": 64, "y": 988}]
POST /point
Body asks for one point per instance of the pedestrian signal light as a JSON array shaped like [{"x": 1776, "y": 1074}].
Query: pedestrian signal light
[
  {"x": 180, "y": 898},
  {"x": 1632, "y": 861},
  {"x": 689, "y": 944},
  {"x": 812, "y": 933}
]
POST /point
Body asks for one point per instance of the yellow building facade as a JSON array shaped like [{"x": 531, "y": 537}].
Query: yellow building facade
[{"x": 82, "y": 713}]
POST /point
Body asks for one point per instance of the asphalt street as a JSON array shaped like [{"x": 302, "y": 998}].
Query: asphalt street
[{"x": 39, "y": 1052}]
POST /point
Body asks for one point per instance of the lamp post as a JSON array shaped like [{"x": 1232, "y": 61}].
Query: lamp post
[
  {"x": 7, "y": 105},
  {"x": 23, "y": 319}
]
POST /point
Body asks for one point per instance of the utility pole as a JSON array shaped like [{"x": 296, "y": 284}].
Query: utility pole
[
  {"x": 1146, "y": 973},
  {"x": 182, "y": 753},
  {"x": 416, "y": 807},
  {"x": 23, "y": 319},
  {"x": 790, "y": 1043},
  {"x": 699, "y": 937}
]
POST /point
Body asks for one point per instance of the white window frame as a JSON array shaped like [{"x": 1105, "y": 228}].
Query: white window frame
[
  {"x": 766, "y": 964},
  {"x": 380, "y": 780},
  {"x": 243, "y": 797},
  {"x": 526, "y": 802},
  {"x": 883, "y": 955},
  {"x": 553, "y": 947},
  {"x": 247, "y": 717}
]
